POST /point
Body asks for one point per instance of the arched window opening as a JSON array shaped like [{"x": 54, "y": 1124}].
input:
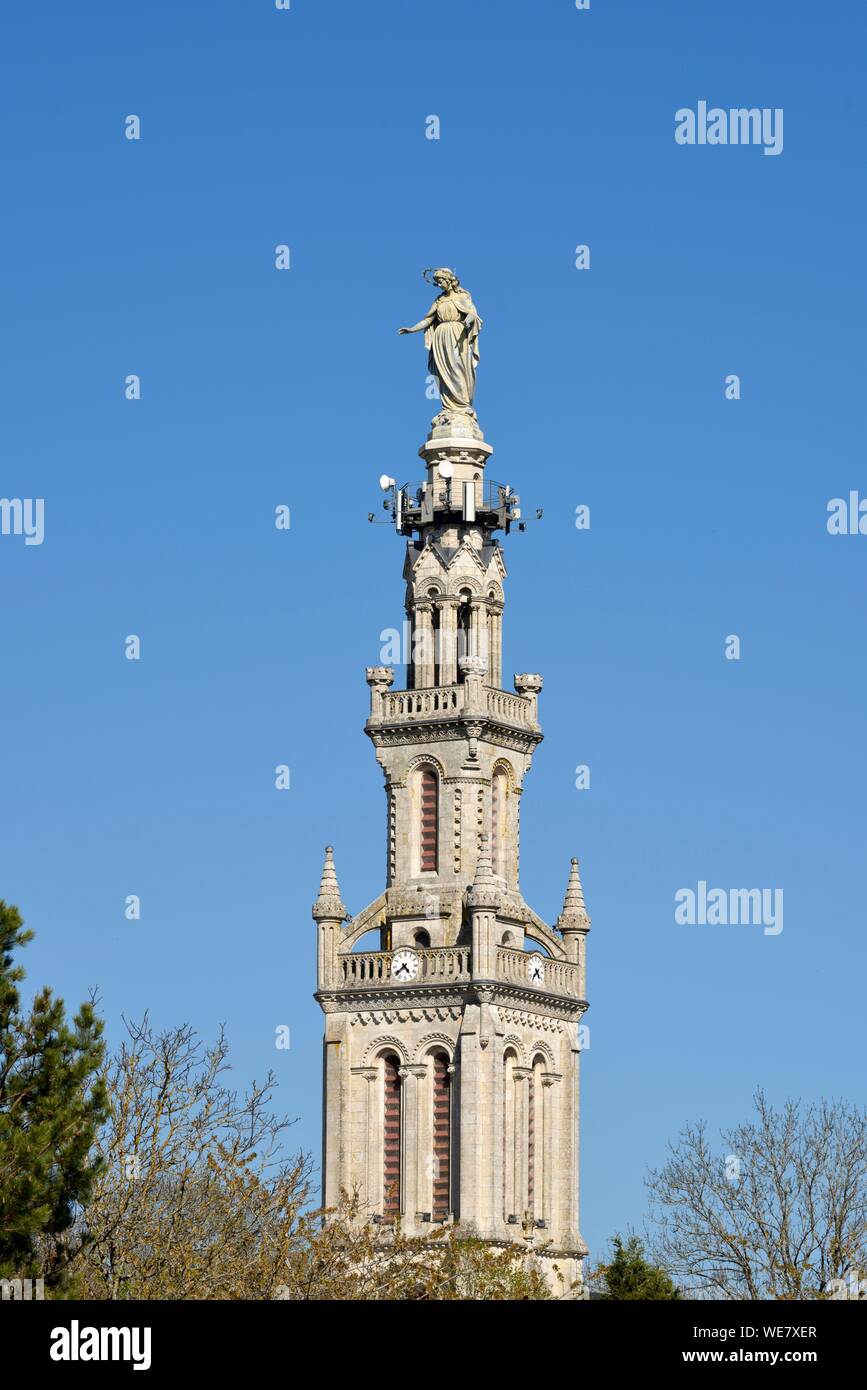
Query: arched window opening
[
  {"x": 536, "y": 1141},
  {"x": 433, "y": 595},
  {"x": 442, "y": 1124},
  {"x": 391, "y": 1138},
  {"x": 429, "y": 814},
  {"x": 422, "y": 940},
  {"x": 410, "y": 658},
  {"x": 465, "y": 621},
  {"x": 510, "y": 1155},
  {"x": 500, "y": 822},
  {"x": 531, "y": 1142}
]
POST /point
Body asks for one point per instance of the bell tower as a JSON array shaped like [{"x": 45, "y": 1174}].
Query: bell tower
[{"x": 451, "y": 1068}]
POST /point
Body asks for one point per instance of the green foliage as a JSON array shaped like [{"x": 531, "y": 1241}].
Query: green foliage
[
  {"x": 349, "y": 1257},
  {"x": 52, "y": 1102},
  {"x": 630, "y": 1276}
]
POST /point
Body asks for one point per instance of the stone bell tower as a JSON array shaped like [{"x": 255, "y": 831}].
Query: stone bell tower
[{"x": 451, "y": 1067}]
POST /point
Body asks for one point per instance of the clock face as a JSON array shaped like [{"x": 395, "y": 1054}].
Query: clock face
[
  {"x": 536, "y": 970},
  {"x": 405, "y": 965}
]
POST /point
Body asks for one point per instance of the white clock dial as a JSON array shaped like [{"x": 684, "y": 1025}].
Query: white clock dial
[
  {"x": 405, "y": 965},
  {"x": 536, "y": 970}
]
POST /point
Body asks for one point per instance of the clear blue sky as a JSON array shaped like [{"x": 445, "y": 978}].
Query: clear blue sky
[{"x": 602, "y": 387}]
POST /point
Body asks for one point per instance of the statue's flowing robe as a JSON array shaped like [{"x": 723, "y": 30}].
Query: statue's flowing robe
[{"x": 453, "y": 352}]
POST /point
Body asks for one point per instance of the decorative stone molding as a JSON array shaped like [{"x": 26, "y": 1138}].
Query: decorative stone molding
[
  {"x": 375, "y": 1006},
  {"x": 527, "y": 684},
  {"x": 368, "y": 1073},
  {"x": 537, "y": 1046},
  {"x": 380, "y": 675},
  {"x": 532, "y": 1020},
  {"x": 416, "y": 1069},
  {"x": 424, "y": 760},
  {"x": 512, "y": 1040},
  {"x": 383, "y": 1044},
  {"x": 432, "y": 1040},
  {"x": 379, "y": 678}
]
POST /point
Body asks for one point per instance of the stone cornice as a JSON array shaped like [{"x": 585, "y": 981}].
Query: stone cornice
[
  {"x": 451, "y": 728},
  {"x": 406, "y": 998}
]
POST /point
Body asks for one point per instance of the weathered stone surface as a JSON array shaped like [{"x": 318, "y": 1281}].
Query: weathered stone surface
[{"x": 511, "y": 1036}]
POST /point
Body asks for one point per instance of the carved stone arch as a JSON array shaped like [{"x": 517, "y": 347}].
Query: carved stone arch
[
  {"x": 494, "y": 591},
  {"x": 546, "y": 941},
  {"x": 430, "y": 1041},
  {"x": 381, "y": 1045},
  {"x": 509, "y": 770},
  {"x": 369, "y": 919},
  {"x": 422, "y": 760},
  {"x": 458, "y": 581},
  {"x": 538, "y": 1048},
  {"x": 511, "y": 1040}
]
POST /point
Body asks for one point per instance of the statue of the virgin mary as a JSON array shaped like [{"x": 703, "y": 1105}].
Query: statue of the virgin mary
[{"x": 451, "y": 335}]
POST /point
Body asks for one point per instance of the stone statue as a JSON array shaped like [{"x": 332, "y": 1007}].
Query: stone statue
[{"x": 451, "y": 335}]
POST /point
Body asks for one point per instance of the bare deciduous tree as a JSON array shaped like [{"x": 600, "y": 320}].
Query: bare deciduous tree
[
  {"x": 777, "y": 1211},
  {"x": 350, "y": 1257},
  {"x": 193, "y": 1200}
]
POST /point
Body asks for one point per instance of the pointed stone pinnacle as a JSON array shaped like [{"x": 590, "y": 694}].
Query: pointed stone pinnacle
[
  {"x": 485, "y": 891},
  {"x": 328, "y": 904},
  {"x": 574, "y": 915}
]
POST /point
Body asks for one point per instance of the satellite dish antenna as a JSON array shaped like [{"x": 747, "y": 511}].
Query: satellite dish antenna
[
  {"x": 445, "y": 468},
  {"x": 386, "y": 482}
]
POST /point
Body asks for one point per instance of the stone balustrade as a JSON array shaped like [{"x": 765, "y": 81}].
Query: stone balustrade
[
  {"x": 427, "y": 703},
  {"x": 511, "y": 709},
  {"x": 561, "y": 976},
  {"x": 445, "y": 701},
  {"x": 441, "y": 965}
]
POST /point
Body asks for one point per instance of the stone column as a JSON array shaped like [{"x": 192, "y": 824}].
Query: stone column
[
  {"x": 530, "y": 686},
  {"x": 412, "y": 1086},
  {"x": 369, "y": 1173},
  {"x": 471, "y": 1121},
  {"x": 329, "y": 914},
  {"x": 522, "y": 1138},
  {"x": 423, "y": 645},
  {"x": 497, "y": 648},
  {"x": 549, "y": 1157},
  {"x": 335, "y": 1143},
  {"x": 448, "y": 641},
  {"x": 509, "y": 1151},
  {"x": 567, "y": 1147},
  {"x": 477, "y": 644},
  {"x": 379, "y": 678},
  {"x": 483, "y": 902}
]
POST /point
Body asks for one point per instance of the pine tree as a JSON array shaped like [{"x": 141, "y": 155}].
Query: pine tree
[
  {"x": 630, "y": 1276},
  {"x": 52, "y": 1102}
]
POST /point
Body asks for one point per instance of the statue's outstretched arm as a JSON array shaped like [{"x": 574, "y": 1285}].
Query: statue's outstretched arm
[{"x": 421, "y": 326}]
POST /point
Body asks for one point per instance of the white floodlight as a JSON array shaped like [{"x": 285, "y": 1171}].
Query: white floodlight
[
  {"x": 445, "y": 468},
  {"x": 386, "y": 482}
]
